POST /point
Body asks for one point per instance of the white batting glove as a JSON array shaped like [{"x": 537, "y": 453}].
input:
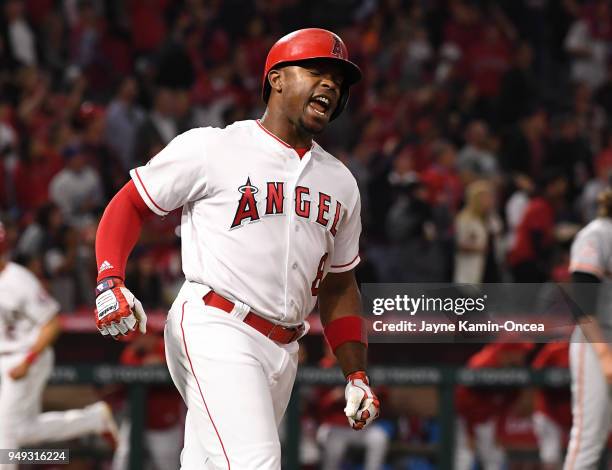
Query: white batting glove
[
  {"x": 362, "y": 406},
  {"x": 117, "y": 310}
]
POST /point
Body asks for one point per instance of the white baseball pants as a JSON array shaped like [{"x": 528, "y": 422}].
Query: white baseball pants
[
  {"x": 21, "y": 421},
  {"x": 335, "y": 440},
  {"x": 590, "y": 406},
  {"x": 549, "y": 435},
  {"x": 484, "y": 446},
  {"x": 162, "y": 446},
  {"x": 236, "y": 384}
]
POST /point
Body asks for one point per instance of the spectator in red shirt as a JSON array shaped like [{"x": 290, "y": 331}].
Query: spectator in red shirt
[
  {"x": 255, "y": 46},
  {"x": 488, "y": 60},
  {"x": 442, "y": 178},
  {"x": 530, "y": 255},
  {"x": 480, "y": 409},
  {"x": 465, "y": 26},
  {"x": 552, "y": 417},
  {"x": 148, "y": 25},
  {"x": 33, "y": 174}
]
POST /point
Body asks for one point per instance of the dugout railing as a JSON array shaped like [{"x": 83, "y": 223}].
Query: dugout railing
[{"x": 136, "y": 379}]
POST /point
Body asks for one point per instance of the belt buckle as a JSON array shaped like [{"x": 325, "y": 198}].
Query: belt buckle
[
  {"x": 296, "y": 331},
  {"x": 294, "y": 336}
]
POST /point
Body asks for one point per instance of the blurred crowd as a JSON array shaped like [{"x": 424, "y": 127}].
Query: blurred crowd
[
  {"x": 480, "y": 138},
  {"x": 480, "y": 135}
]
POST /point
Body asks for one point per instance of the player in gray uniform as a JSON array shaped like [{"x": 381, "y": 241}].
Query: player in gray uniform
[{"x": 590, "y": 352}]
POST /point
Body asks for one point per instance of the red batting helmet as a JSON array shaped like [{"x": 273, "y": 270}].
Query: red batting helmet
[{"x": 307, "y": 44}]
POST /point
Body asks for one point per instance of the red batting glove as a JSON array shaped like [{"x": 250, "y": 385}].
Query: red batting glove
[
  {"x": 362, "y": 406},
  {"x": 117, "y": 310}
]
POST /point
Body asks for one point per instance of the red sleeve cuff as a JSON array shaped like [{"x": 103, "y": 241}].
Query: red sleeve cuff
[{"x": 345, "y": 329}]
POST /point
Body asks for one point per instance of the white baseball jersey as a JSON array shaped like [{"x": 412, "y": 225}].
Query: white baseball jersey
[
  {"x": 259, "y": 224},
  {"x": 591, "y": 252},
  {"x": 25, "y": 307}
]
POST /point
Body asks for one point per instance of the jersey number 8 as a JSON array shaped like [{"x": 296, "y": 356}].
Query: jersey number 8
[{"x": 314, "y": 288}]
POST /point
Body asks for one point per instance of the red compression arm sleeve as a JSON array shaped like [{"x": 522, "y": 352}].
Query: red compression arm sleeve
[
  {"x": 344, "y": 329},
  {"x": 119, "y": 230}
]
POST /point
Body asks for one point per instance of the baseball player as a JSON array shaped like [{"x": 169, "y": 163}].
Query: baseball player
[
  {"x": 480, "y": 409},
  {"x": 270, "y": 224},
  {"x": 28, "y": 327},
  {"x": 552, "y": 408},
  {"x": 590, "y": 355}
]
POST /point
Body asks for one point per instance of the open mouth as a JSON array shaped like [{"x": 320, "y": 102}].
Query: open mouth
[{"x": 320, "y": 105}]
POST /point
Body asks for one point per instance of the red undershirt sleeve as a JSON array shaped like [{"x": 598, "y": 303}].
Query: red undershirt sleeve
[{"x": 119, "y": 230}]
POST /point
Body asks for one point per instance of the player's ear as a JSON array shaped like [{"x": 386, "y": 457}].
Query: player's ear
[{"x": 276, "y": 80}]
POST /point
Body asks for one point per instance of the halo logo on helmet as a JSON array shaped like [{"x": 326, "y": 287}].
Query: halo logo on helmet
[
  {"x": 337, "y": 50},
  {"x": 308, "y": 44}
]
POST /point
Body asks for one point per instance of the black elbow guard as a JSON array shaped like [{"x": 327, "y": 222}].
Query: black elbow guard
[{"x": 585, "y": 293}]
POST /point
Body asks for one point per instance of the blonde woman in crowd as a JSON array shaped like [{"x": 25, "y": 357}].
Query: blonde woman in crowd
[{"x": 478, "y": 228}]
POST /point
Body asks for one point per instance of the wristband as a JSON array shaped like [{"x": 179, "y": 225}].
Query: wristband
[
  {"x": 358, "y": 375},
  {"x": 108, "y": 283},
  {"x": 31, "y": 357},
  {"x": 345, "y": 329}
]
